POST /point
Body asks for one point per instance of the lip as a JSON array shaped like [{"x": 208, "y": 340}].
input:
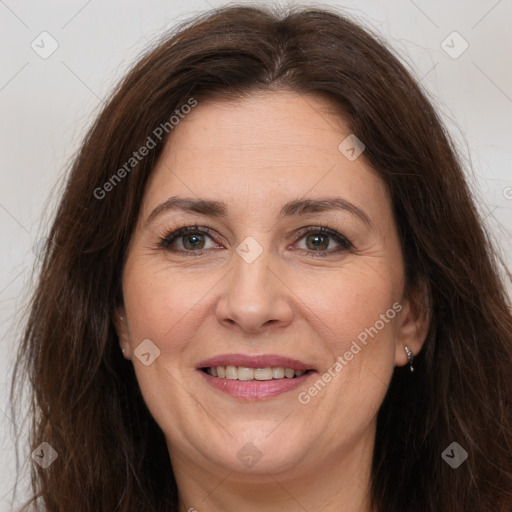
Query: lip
[
  {"x": 255, "y": 361},
  {"x": 255, "y": 389}
]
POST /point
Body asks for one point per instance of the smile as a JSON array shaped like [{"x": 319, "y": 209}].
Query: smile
[
  {"x": 245, "y": 373},
  {"x": 254, "y": 377}
]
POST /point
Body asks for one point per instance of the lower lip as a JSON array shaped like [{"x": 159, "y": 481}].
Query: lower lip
[{"x": 255, "y": 389}]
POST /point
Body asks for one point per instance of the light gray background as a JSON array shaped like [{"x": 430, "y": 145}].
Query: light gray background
[{"x": 47, "y": 104}]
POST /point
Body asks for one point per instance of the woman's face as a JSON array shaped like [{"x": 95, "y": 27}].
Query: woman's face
[{"x": 263, "y": 176}]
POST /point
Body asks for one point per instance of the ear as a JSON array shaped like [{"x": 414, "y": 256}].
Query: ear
[
  {"x": 121, "y": 327},
  {"x": 413, "y": 323}
]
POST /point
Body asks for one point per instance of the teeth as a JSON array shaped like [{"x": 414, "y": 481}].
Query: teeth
[
  {"x": 245, "y": 373},
  {"x": 231, "y": 372},
  {"x": 263, "y": 374},
  {"x": 278, "y": 372}
]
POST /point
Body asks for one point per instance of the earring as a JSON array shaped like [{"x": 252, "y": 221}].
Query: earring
[{"x": 410, "y": 357}]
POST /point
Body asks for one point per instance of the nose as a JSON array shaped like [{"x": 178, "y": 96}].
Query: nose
[{"x": 254, "y": 299}]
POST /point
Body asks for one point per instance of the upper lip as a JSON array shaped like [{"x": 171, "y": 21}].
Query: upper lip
[{"x": 255, "y": 361}]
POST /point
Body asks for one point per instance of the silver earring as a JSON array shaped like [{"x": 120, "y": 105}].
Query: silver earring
[
  {"x": 122, "y": 350},
  {"x": 410, "y": 357}
]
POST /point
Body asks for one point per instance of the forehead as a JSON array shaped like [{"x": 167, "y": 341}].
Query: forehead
[
  {"x": 266, "y": 149},
  {"x": 280, "y": 125}
]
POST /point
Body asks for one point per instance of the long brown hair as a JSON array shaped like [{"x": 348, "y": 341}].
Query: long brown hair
[{"x": 86, "y": 402}]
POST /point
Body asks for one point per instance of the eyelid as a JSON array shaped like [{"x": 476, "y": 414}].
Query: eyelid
[
  {"x": 169, "y": 237},
  {"x": 179, "y": 232},
  {"x": 319, "y": 228}
]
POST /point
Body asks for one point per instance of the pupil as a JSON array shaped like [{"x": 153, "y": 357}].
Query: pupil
[
  {"x": 195, "y": 240},
  {"x": 319, "y": 241}
]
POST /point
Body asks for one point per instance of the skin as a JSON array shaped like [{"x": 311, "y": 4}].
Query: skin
[{"x": 256, "y": 154}]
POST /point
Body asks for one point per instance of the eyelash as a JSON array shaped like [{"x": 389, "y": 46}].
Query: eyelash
[{"x": 167, "y": 239}]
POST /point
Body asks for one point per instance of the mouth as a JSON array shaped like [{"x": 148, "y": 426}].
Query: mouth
[
  {"x": 254, "y": 377},
  {"x": 246, "y": 373}
]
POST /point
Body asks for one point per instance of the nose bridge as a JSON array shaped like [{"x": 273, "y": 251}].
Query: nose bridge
[
  {"x": 251, "y": 268},
  {"x": 253, "y": 296}
]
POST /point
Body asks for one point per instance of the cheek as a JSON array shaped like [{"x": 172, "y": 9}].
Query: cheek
[
  {"x": 161, "y": 303},
  {"x": 345, "y": 306},
  {"x": 340, "y": 306},
  {"x": 355, "y": 317}
]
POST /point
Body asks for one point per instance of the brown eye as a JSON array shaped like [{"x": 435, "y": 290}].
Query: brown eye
[
  {"x": 193, "y": 241},
  {"x": 190, "y": 240},
  {"x": 317, "y": 241}
]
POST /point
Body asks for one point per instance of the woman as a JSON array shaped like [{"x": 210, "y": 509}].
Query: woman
[{"x": 267, "y": 288}]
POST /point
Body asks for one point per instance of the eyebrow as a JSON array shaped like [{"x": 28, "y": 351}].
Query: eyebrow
[{"x": 296, "y": 207}]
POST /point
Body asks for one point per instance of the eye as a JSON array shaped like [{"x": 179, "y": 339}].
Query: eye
[
  {"x": 190, "y": 240},
  {"x": 319, "y": 239}
]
